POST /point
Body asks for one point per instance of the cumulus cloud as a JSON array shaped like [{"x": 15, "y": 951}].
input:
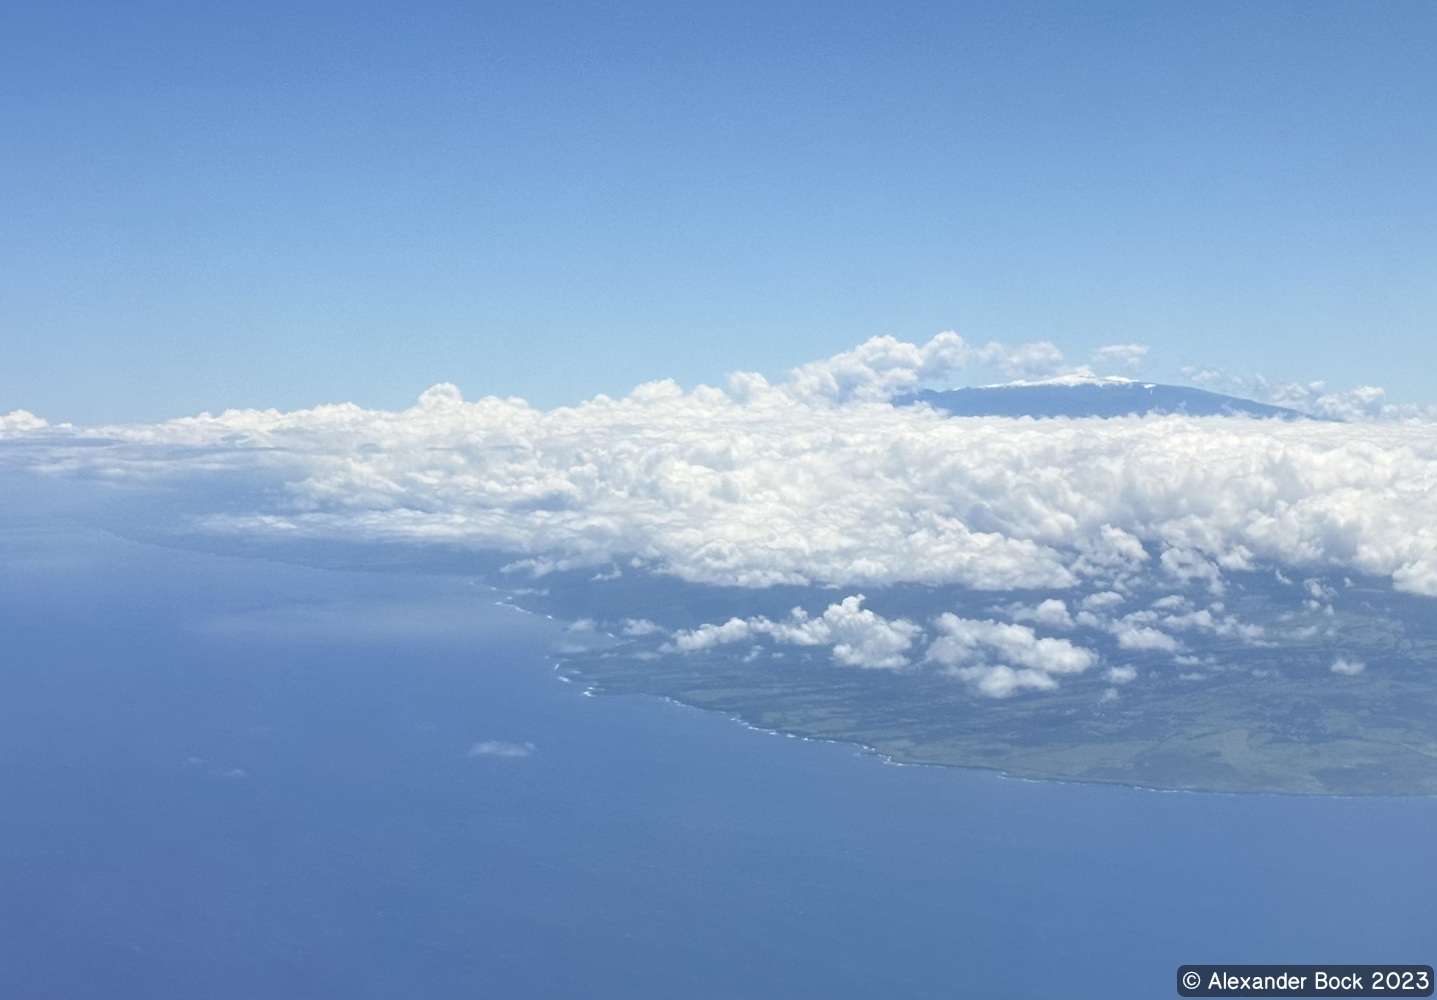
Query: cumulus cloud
[
  {"x": 1347, "y": 666},
  {"x": 816, "y": 480},
  {"x": 1052, "y": 612},
  {"x": 885, "y": 366},
  {"x": 996, "y": 658},
  {"x": 1212, "y": 620},
  {"x": 1000, "y": 658},
  {"x": 858, "y": 637},
  {"x": 1102, "y": 601},
  {"x": 19, "y": 421},
  {"x": 1366, "y": 402},
  {"x": 1363, "y": 403},
  {"x": 1187, "y": 565},
  {"x": 1132, "y": 634}
]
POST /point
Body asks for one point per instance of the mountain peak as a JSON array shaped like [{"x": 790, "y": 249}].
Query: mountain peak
[
  {"x": 1083, "y": 394},
  {"x": 1081, "y": 377}
]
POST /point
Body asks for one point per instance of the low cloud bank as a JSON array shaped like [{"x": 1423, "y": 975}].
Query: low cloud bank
[{"x": 815, "y": 480}]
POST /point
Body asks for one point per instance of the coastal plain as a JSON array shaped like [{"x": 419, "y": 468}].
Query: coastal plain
[{"x": 1269, "y": 716}]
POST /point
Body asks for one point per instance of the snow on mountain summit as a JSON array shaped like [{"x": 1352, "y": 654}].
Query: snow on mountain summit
[{"x": 1080, "y": 377}]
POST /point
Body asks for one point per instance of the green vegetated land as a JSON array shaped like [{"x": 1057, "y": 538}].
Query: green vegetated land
[{"x": 1272, "y": 719}]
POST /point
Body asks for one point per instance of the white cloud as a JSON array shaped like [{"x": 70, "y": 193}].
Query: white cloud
[
  {"x": 857, "y": 636},
  {"x": 1052, "y": 612},
  {"x": 1347, "y": 667},
  {"x": 1102, "y": 601},
  {"x": 638, "y": 626},
  {"x": 1122, "y": 675},
  {"x": 1132, "y": 635},
  {"x": 707, "y": 636},
  {"x": 1366, "y": 402},
  {"x": 810, "y": 481},
  {"x": 499, "y": 748},
  {"x": 1363, "y": 403},
  {"x": 885, "y": 366},
  {"x": 19, "y": 422},
  {"x": 1186, "y": 565},
  {"x": 864, "y": 639},
  {"x": 963, "y": 640},
  {"x": 1001, "y": 680},
  {"x": 999, "y": 658},
  {"x": 1211, "y": 619}
]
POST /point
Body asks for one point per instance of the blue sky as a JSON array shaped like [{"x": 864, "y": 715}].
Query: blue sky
[{"x": 259, "y": 204}]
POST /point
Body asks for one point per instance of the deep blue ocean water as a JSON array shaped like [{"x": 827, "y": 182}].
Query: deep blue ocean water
[{"x": 233, "y": 778}]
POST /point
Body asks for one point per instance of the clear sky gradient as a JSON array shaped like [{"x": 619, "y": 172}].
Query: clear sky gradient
[{"x": 263, "y": 204}]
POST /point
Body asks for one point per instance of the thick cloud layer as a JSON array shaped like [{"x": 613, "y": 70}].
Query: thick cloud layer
[{"x": 815, "y": 480}]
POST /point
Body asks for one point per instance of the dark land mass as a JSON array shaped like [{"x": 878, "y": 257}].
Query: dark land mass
[
  {"x": 1106, "y": 399},
  {"x": 1270, "y": 719}
]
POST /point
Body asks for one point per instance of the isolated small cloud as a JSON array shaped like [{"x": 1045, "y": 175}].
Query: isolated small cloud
[
  {"x": 638, "y": 626},
  {"x": 1347, "y": 667},
  {"x": 499, "y": 748},
  {"x": 19, "y": 422}
]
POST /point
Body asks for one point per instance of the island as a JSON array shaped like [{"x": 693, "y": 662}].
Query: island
[{"x": 1336, "y": 699}]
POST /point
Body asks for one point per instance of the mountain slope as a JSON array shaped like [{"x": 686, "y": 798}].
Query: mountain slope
[{"x": 1092, "y": 396}]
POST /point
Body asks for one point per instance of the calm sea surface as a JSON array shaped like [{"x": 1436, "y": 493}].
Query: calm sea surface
[{"x": 230, "y": 778}]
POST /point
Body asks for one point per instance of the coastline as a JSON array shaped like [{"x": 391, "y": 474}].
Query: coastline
[{"x": 565, "y": 670}]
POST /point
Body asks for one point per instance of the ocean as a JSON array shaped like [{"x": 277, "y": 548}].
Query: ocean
[{"x": 227, "y": 777}]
